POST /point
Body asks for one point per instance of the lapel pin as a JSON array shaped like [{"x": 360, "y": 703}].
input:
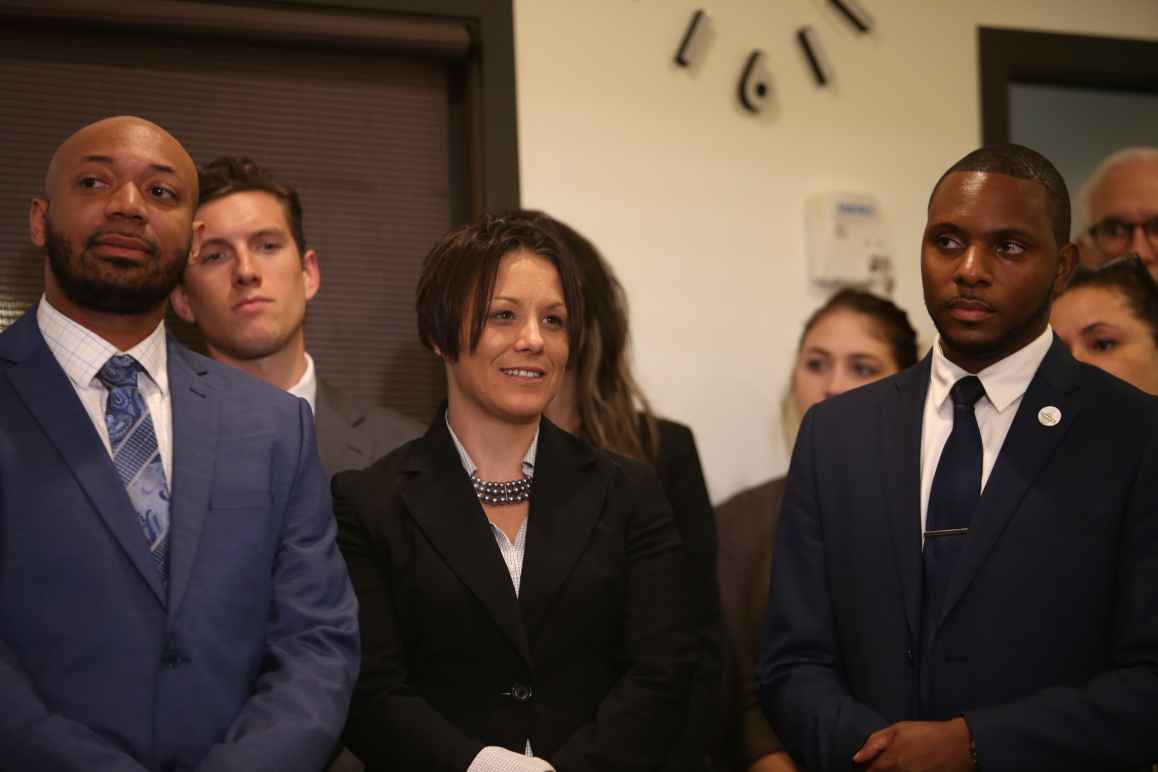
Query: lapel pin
[{"x": 1049, "y": 416}]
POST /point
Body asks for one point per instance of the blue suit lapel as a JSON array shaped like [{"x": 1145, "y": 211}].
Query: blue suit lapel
[
  {"x": 49, "y": 396},
  {"x": 194, "y": 450},
  {"x": 1027, "y": 448},
  {"x": 901, "y": 422}
]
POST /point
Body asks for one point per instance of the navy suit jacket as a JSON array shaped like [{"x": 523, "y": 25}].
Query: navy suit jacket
[
  {"x": 247, "y": 662},
  {"x": 1048, "y": 641}
]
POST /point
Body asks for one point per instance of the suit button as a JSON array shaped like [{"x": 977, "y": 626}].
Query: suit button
[
  {"x": 910, "y": 658},
  {"x": 173, "y": 659},
  {"x": 521, "y": 692}
]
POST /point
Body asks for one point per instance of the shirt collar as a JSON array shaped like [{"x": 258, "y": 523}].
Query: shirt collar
[
  {"x": 1005, "y": 381},
  {"x": 307, "y": 385},
  {"x": 470, "y": 466},
  {"x": 82, "y": 353}
]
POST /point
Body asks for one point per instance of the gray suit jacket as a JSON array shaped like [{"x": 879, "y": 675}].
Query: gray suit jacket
[{"x": 353, "y": 435}]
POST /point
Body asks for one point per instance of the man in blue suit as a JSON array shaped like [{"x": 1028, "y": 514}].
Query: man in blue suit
[
  {"x": 966, "y": 572},
  {"x": 170, "y": 594}
]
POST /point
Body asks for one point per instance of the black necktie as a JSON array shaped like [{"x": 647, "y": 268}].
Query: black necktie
[{"x": 955, "y": 493}]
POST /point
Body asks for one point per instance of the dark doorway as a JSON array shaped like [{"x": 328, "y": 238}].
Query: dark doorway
[{"x": 376, "y": 116}]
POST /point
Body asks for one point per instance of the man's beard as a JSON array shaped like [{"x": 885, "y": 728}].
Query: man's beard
[
  {"x": 1021, "y": 331},
  {"x": 89, "y": 284}
]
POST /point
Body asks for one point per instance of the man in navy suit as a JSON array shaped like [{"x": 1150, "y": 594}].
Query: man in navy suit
[
  {"x": 966, "y": 572},
  {"x": 171, "y": 597}
]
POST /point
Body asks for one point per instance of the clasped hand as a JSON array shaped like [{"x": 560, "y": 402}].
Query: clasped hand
[{"x": 918, "y": 746}]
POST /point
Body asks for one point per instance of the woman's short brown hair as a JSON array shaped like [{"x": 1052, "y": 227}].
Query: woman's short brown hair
[{"x": 458, "y": 277}]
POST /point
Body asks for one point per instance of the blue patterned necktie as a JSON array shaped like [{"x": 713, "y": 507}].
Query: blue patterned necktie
[
  {"x": 135, "y": 454},
  {"x": 953, "y": 498}
]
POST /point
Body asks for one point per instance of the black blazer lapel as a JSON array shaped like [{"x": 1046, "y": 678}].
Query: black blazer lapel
[
  {"x": 440, "y": 499},
  {"x": 1028, "y": 447},
  {"x": 901, "y": 419},
  {"x": 194, "y": 451},
  {"x": 50, "y": 397},
  {"x": 566, "y": 502}
]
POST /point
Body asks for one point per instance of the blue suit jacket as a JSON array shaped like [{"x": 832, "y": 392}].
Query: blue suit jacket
[
  {"x": 1048, "y": 642},
  {"x": 247, "y": 662}
]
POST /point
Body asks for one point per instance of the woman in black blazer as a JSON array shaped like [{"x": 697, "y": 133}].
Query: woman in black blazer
[{"x": 521, "y": 593}]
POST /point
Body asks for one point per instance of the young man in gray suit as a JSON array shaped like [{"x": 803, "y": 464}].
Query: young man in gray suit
[{"x": 248, "y": 294}]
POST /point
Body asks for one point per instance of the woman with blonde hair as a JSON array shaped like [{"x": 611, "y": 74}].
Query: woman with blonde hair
[{"x": 853, "y": 339}]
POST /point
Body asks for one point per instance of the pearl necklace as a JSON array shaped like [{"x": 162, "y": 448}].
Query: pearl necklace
[{"x": 501, "y": 493}]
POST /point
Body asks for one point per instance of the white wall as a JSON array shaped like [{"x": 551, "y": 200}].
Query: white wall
[{"x": 699, "y": 207}]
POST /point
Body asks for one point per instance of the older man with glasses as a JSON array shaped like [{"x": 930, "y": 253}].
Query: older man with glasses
[{"x": 1119, "y": 208}]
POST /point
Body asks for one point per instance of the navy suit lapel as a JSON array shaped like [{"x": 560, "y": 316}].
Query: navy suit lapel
[
  {"x": 440, "y": 499},
  {"x": 194, "y": 450},
  {"x": 1028, "y": 447},
  {"x": 50, "y": 397},
  {"x": 566, "y": 503},
  {"x": 901, "y": 423}
]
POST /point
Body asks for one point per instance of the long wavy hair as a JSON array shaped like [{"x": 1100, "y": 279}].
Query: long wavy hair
[{"x": 614, "y": 413}]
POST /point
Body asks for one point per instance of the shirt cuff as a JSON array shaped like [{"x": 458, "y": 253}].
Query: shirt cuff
[{"x": 495, "y": 759}]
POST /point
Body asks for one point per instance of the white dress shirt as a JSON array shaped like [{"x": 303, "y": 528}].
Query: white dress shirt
[
  {"x": 307, "y": 385},
  {"x": 1005, "y": 383},
  {"x": 512, "y": 552},
  {"x": 494, "y": 758},
  {"x": 82, "y": 353}
]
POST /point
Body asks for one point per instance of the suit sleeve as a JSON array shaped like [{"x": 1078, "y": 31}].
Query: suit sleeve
[
  {"x": 294, "y": 718},
  {"x": 32, "y": 737},
  {"x": 803, "y": 689},
  {"x": 687, "y": 492},
  {"x": 637, "y": 723},
  {"x": 1108, "y": 722},
  {"x": 389, "y": 726}
]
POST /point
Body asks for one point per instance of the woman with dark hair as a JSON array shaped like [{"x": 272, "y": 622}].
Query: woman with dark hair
[
  {"x": 601, "y": 402},
  {"x": 1109, "y": 318},
  {"x": 521, "y": 592},
  {"x": 853, "y": 339}
]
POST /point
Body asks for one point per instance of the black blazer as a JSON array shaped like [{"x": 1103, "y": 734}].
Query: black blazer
[
  {"x": 1048, "y": 643},
  {"x": 682, "y": 477},
  {"x": 590, "y": 662}
]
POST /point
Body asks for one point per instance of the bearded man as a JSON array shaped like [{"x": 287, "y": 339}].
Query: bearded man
[{"x": 170, "y": 594}]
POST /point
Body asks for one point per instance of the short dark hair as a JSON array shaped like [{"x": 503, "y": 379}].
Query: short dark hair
[
  {"x": 892, "y": 321},
  {"x": 459, "y": 274},
  {"x": 1024, "y": 164},
  {"x": 227, "y": 175},
  {"x": 1129, "y": 276}
]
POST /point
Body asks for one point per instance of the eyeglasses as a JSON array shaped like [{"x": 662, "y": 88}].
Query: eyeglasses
[{"x": 1113, "y": 235}]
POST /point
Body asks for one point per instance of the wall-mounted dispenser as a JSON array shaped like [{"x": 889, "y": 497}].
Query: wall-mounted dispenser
[{"x": 846, "y": 241}]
